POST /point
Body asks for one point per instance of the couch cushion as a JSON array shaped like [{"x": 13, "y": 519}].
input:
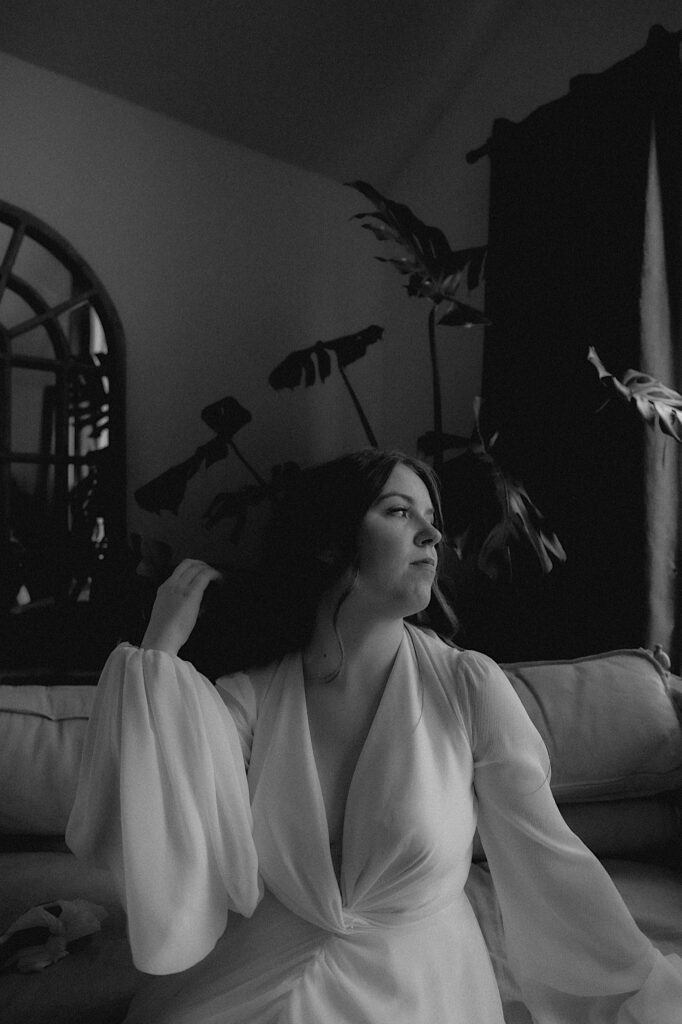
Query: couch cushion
[
  {"x": 41, "y": 738},
  {"x": 609, "y": 723}
]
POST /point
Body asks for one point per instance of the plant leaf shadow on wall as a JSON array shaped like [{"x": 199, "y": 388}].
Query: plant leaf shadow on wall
[
  {"x": 493, "y": 523},
  {"x": 489, "y": 513}
]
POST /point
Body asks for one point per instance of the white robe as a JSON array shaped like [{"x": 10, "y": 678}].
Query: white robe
[{"x": 202, "y": 799}]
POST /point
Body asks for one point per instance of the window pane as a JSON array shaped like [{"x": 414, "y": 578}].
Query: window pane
[
  {"x": 32, "y": 532},
  {"x": 35, "y": 342},
  {"x": 88, "y": 413},
  {"x": 47, "y": 275},
  {"x": 33, "y": 402}
]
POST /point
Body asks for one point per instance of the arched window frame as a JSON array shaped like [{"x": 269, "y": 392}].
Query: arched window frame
[{"x": 79, "y": 370}]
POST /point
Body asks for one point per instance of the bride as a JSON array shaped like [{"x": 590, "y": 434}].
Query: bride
[{"x": 292, "y": 844}]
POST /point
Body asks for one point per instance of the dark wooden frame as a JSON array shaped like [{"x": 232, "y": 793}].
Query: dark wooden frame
[{"x": 87, "y": 292}]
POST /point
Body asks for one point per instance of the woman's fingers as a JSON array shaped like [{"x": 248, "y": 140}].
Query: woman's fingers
[
  {"x": 177, "y": 605},
  {"x": 192, "y": 573}
]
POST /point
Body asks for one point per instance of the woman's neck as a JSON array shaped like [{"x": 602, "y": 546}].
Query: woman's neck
[{"x": 369, "y": 645}]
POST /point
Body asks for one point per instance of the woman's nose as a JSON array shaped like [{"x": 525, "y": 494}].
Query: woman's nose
[{"x": 429, "y": 534}]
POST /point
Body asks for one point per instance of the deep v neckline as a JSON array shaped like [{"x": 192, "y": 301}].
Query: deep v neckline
[{"x": 354, "y": 774}]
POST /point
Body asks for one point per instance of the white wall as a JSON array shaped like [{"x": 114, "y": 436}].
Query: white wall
[
  {"x": 540, "y": 47},
  {"x": 220, "y": 261}
]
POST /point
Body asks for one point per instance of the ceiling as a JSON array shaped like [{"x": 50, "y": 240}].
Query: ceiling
[{"x": 346, "y": 88}]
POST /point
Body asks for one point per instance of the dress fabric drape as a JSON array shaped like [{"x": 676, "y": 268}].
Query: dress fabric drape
[
  {"x": 207, "y": 804},
  {"x": 570, "y": 194}
]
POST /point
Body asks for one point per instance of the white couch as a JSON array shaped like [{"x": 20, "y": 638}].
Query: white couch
[{"x": 612, "y": 728}]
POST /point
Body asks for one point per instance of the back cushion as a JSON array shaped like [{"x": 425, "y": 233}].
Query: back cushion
[
  {"x": 609, "y": 722},
  {"x": 41, "y": 738}
]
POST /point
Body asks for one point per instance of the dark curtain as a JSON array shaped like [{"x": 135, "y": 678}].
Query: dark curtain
[{"x": 568, "y": 197}]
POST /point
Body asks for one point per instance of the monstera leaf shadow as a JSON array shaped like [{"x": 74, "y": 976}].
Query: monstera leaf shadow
[
  {"x": 236, "y": 504},
  {"x": 300, "y": 366},
  {"x": 226, "y": 418},
  {"x": 490, "y": 512}
]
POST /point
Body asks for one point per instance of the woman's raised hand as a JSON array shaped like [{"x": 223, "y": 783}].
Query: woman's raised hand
[{"x": 177, "y": 605}]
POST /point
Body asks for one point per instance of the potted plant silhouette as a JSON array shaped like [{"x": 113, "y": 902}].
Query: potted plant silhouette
[
  {"x": 435, "y": 272},
  {"x": 502, "y": 516}
]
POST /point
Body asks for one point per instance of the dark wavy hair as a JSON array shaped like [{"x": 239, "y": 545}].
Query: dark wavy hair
[{"x": 314, "y": 537}]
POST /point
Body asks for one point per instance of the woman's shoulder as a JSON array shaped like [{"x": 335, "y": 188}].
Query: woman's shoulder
[
  {"x": 248, "y": 686},
  {"x": 470, "y": 679},
  {"x": 451, "y": 656},
  {"x": 261, "y": 677}
]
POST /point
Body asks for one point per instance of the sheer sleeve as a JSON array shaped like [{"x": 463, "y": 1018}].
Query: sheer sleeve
[
  {"x": 162, "y": 802},
  {"x": 237, "y": 694},
  {"x": 577, "y": 953}
]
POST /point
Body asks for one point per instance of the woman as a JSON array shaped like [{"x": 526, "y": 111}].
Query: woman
[{"x": 331, "y": 798}]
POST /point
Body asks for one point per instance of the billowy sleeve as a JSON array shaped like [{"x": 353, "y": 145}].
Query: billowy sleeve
[
  {"x": 576, "y": 952},
  {"x": 162, "y": 802}
]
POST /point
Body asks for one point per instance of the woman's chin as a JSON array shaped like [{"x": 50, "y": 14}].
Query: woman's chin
[{"x": 420, "y": 602}]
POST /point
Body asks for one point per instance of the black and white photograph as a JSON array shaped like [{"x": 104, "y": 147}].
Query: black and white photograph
[{"x": 340, "y": 512}]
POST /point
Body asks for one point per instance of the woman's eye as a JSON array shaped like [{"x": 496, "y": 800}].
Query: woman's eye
[{"x": 399, "y": 511}]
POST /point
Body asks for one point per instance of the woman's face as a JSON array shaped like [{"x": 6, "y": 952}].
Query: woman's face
[{"x": 397, "y": 556}]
